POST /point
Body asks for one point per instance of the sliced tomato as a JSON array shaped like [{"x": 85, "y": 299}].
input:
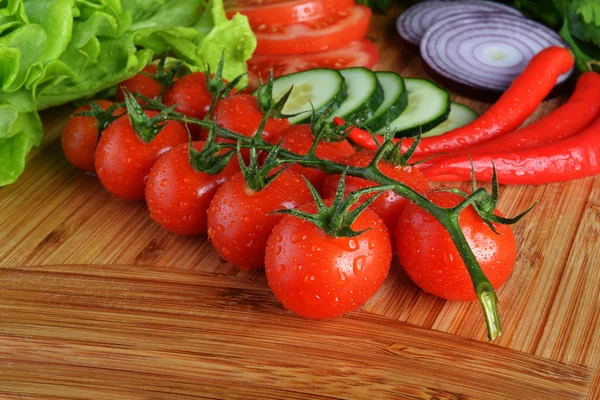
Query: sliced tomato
[
  {"x": 327, "y": 33},
  {"x": 361, "y": 53},
  {"x": 285, "y": 12}
]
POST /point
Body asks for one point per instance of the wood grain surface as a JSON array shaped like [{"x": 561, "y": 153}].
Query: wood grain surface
[{"x": 98, "y": 302}]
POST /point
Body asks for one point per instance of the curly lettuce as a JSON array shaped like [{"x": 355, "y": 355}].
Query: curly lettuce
[{"x": 55, "y": 52}]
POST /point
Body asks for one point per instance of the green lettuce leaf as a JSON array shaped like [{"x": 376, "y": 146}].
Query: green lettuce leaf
[{"x": 55, "y": 52}]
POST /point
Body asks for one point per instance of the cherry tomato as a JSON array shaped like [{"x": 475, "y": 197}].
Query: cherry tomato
[
  {"x": 361, "y": 53},
  {"x": 319, "y": 276},
  {"x": 178, "y": 196},
  {"x": 389, "y": 205},
  {"x": 142, "y": 84},
  {"x": 191, "y": 95},
  {"x": 80, "y": 137},
  {"x": 328, "y": 33},
  {"x": 123, "y": 160},
  {"x": 284, "y": 12},
  {"x": 299, "y": 139},
  {"x": 431, "y": 260},
  {"x": 239, "y": 223},
  {"x": 241, "y": 114}
]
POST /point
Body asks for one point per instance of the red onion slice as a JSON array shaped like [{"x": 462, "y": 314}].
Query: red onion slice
[
  {"x": 485, "y": 51},
  {"x": 414, "y": 22}
]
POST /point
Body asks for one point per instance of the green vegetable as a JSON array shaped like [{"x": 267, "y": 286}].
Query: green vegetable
[
  {"x": 54, "y": 52},
  {"x": 578, "y": 22},
  {"x": 377, "y": 5}
]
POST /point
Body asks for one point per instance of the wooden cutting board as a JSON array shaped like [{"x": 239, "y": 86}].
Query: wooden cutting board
[{"x": 98, "y": 302}]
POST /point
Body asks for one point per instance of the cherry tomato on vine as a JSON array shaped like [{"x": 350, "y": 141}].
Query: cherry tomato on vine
[
  {"x": 239, "y": 219},
  {"x": 299, "y": 139},
  {"x": 142, "y": 84},
  {"x": 123, "y": 159},
  {"x": 191, "y": 95},
  {"x": 319, "y": 276},
  {"x": 241, "y": 114},
  {"x": 178, "y": 197},
  {"x": 429, "y": 257},
  {"x": 80, "y": 136},
  {"x": 389, "y": 205}
]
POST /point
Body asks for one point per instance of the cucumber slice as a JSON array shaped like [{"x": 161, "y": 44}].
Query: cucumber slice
[
  {"x": 428, "y": 106},
  {"x": 395, "y": 100},
  {"x": 365, "y": 94},
  {"x": 460, "y": 115},
  {"x": 322, "y": 87}
]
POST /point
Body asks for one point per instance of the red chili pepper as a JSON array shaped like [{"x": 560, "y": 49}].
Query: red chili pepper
[
  {"x": 572, "y": 158},
  {"x": 516, "y": 104},
  {"x": 576, "y": 114}
]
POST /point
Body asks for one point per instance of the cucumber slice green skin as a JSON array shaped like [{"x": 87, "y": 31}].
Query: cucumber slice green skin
[
  {"x": 394, "y": 107},
  {"x": 460, "y": 115},
  {"x": 430, "y": 91},
  {"x": 373, "y": 95},
  {"x": 324, "y": 88}
]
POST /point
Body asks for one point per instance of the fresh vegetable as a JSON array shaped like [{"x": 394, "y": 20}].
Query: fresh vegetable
[
  {"x": 285, "y": 12},
  {"x": 315, "y": 89},
  {"x": 300, "y": 139},
  {"x": 242, "y": 114},
  {"x": 395, "y": 100},
  {"x": 190, "y": 95},
  {"x": 240, "y": 217},
  {"x": 575, "y": 157},
  {"x": 326, "y": 264},
  {"x": 179, "y": 192},
  {"x": 144, "y": 83},
  {"x": 360, "y": 53},
  {"x": 81, "y": 134},
  {"x": 416, "y": 20},
  {"x": 312, "y": 36},
  {"x": 388, "y": 205},
  {"x": 460, "y": 115},
  {"x": 124, "y": 158},
  {"x": 580, "y": 111},
  {"x": 511, "y": 110},
  {"x": 364, "y": 95},
  {"x": 577, "y": 21},
  {"x": 278, "y": 156},
  {"x": 54, "y": 52},
  {"x": 427, "y": 254},
  {"x": 485, "y": 52},
  {"x": 428, "y": 106}
]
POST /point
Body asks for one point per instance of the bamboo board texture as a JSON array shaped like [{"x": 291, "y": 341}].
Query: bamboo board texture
[{"x": 98, "y": 302}]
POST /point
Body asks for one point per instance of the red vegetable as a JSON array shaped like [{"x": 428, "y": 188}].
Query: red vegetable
[
  {"x": 361, "y": 53},
  {"x": 191, "y": 95},
  {"x": 299, "y": 139},
  {"x": 317, "y": 275},
  {"x": 329, "y": 33},
  {"x": 178, "y": 196},
  {"x": 431, "y": 260},
  {"x": 572, "y": 158},
  {"x": 511, "y": 110},
  {"x": 389, "y": 205},
  {"x": 577, "y": 114},
  {"x": 240, "y": 219},
  {"x": 123, "y": 159},
  {"x": 80, "y": 137},
  {"x": 142, "y": 84},
  {"x": 285, "y": 12}
]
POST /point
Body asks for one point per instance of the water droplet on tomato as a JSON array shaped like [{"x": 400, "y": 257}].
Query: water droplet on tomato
[
  {"x": 211, "y": 231},
  {"x": 358, "y": 264},
  {"x": 279, "y": 238},
  {"x": 164, "y": 183},
  {"x": 309, "y": 278},
  {"x": 281, "y": 269},
  {"x": 278, "y": 250},
  {"x": 183, "y": 204},
  {"x": 297, "y": 238},
  {"x": 315, "y": 248},
  {"x": 372, "y": 244},
  {"x": 220, "y": 228}
]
